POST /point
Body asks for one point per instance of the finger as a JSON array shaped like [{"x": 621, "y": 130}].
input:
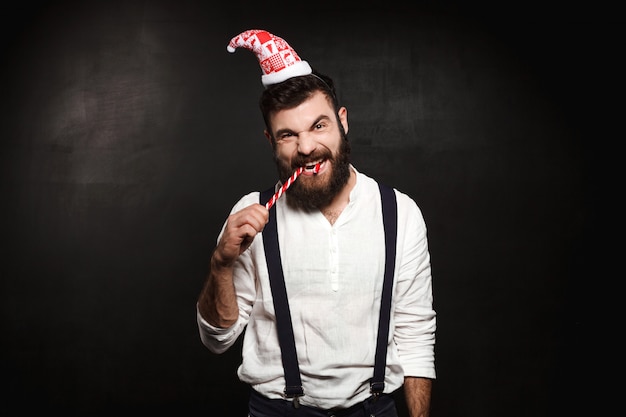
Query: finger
[
  {"x": 256, "y": 215},
  {"x": 235, "y": 241}
]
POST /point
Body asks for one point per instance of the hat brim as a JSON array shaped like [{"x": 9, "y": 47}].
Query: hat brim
[{"x": 296, "y": 70}]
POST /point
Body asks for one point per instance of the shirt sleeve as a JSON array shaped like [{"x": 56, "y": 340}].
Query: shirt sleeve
[
  {"x": 218, "y": 339},
  {"x": 415, "y": 318}
]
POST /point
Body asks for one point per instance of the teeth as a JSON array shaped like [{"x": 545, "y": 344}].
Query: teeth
[{"x": 315, "y": 167}]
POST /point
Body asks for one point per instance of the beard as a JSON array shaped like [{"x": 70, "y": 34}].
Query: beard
[{"x": 314, "y": 192}]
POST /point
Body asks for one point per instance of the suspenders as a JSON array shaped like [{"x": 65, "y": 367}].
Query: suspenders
[
  {"x": 293, "y": 383},
  {"x": 293, "y": 386},
  {"x": 390, "y": 222}
]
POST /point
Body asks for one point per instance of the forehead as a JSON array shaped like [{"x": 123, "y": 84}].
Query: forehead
[{"x": 309, "y": 111}]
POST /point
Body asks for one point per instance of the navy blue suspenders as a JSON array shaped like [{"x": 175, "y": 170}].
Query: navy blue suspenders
[
  {"x": 390, "y": 223},
  {"x": 293, "y": 383}
]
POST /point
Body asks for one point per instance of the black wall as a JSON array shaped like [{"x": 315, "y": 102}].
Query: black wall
[{"x": 128, "y": 132}]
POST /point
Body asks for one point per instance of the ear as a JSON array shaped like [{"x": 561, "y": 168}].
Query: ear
[
  {"x": 267, "y": 136},
  {"x": 343, "y": 118}
]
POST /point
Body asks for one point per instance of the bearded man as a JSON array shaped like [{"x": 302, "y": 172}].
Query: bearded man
[{"x": 332, "y": 284}]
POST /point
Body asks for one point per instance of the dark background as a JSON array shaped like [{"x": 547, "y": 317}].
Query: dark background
[{"x": 128, "y": 132}]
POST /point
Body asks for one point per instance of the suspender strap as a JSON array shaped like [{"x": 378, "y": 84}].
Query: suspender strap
[
  {"x": 390, "y": 222},
  {"x": 293, "y": 384}
]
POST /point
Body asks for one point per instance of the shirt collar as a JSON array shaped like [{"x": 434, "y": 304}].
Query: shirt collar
[{"x": 356, "y": 191}]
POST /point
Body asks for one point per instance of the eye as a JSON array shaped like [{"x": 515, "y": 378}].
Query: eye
[
  {"x": 320, "y": 126},
  {"x": 285, "y": 136}
]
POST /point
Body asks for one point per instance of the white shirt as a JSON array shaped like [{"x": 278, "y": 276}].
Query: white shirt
[{"x": 334, "y": 277}]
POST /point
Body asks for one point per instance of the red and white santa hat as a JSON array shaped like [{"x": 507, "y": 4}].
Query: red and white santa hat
[{"x": 278, "y": 60}]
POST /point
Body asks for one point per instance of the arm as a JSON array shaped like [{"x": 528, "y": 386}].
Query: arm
[
  {"x": 217, "y": 303},
  {"x": 415, "y": 317},
  {"x": 417, "y": 393}
]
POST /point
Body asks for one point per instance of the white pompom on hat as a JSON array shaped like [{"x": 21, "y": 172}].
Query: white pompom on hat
[{"x": 278, "y": 60}]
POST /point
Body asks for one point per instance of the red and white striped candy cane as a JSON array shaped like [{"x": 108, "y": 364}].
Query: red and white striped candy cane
[
  {"x": 282, "y": 189},
  {"x": 286, "y": 185}
]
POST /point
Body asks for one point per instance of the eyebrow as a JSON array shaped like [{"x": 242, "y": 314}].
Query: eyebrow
[{"x": 280, "y": 132}]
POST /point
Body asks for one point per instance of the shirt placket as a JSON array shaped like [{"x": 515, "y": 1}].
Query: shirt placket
[{"x": 334, "y": 259}]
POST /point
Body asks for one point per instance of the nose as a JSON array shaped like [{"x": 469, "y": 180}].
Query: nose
[{"x": 306, "y": 143}]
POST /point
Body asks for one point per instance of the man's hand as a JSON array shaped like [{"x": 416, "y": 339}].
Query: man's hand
[{"x": 241, "y": 228}]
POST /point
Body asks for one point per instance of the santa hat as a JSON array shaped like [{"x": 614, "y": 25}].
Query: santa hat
[{"x": 278, "y": 60}]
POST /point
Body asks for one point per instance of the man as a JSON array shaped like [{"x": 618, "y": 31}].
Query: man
[{"x": 311, "y": 349}]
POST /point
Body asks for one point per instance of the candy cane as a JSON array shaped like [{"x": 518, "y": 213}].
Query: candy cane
[{"x": 287, "y": 184}]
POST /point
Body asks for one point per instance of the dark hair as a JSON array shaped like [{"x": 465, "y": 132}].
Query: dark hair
[{"x": 293, "y": 92}]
